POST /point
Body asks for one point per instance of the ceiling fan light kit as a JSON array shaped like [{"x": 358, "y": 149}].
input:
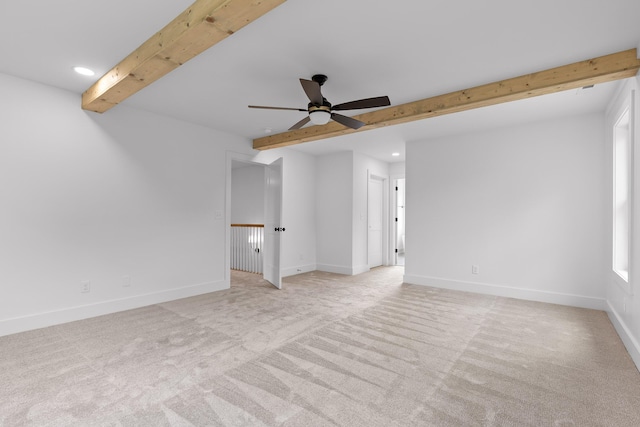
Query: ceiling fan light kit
[
  {"x": 320, "y": 111},
  {"x": 319, "y": 117}
]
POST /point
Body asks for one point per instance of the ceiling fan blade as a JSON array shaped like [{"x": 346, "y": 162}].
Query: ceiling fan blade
[
  {"x": 379, "y": 101},
  {"x": 312, "y": 89},
  {"x": 347, "y": 121},
  {"x": 277, "y": 108},
  {"x": 300, "y": 123}
]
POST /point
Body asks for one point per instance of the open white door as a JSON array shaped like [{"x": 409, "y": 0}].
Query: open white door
[{"x": 273, "y": 223}]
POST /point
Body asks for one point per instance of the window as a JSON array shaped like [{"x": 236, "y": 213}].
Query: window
[{"x": 621, "y": 187}]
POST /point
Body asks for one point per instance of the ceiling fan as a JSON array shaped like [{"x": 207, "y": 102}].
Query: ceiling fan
[{"x": 320, "y": 110}]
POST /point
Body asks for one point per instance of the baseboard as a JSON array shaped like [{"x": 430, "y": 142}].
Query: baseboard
[
  {"x": 359, "y": 269},
  {"x": 42, "y": 320},
  {"x": 298, "y": 270},
  {"x": 338, "y": 269},
  {"x": 509, "y": 292},
  {"x": 632, "y": 345}
]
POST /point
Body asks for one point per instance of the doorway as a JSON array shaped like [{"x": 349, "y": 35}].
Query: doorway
[
  {"x": 399, "y": 228},
  {"x": 254, "y": 199}
]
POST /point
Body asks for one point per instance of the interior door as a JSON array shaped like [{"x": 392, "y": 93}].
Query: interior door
[
  {"x": 375, "y": 217},
  {"x": 273, "y": 223}
]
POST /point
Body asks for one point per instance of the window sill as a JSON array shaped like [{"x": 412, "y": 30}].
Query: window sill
[{"x": 622, "y": 280}]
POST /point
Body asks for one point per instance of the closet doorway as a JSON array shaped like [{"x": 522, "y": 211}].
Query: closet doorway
[{"x": 400, "y": 229}]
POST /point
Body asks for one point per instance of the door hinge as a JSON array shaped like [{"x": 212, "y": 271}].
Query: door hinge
[{"x": 396, "y": 251}]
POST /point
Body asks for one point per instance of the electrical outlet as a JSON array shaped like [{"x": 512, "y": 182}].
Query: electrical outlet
[
  {"x": 126, "y": 281},
  {"x": 85, "y": 287},
  {"x": 475, "y": 269}
]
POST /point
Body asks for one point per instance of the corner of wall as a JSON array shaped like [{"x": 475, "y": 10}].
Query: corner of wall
[
  {"x": 632, "y": 345},
  {"x": 359, "y": 269},
  {"x": 341, "y": 269}
]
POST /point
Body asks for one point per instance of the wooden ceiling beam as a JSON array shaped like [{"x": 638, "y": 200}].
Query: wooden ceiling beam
[
  {"x": 592, "y": 71},
  {"x": 202, "y": 25}
]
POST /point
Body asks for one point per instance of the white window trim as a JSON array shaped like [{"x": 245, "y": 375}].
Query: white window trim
[{"x": 628, "y": 104}]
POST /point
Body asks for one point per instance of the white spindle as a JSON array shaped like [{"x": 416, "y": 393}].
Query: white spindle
[{"x": 246, "y": 248}]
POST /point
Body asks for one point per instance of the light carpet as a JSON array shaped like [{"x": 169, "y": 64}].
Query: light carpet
[{"x": 327, "y": 350}]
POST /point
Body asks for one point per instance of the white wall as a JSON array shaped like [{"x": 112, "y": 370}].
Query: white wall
[
  {"x": 623, "y": 302},
  {"x": 396, "y": 170},
  {"x": 298, "y": 209},
  {"x": 247, "y": 195},
  {"x": 334, "y": 203},
  {"x": 90, "y": 197},
  {"x": 525, "y": 204}
]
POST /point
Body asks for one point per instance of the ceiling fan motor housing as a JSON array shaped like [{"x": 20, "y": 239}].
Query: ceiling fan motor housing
[
  {"x": 326, "y": 106},
  {"x": 319, "y": 78}
]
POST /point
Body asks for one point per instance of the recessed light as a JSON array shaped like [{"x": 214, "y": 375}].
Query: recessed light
[
  {"x": 267, "y": 130},
  {"x": 395, "y": 154},
  {"x": 84, "y": 71}
]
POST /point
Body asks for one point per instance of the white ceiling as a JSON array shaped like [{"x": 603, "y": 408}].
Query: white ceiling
[{"x": 406, "y": 49}]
